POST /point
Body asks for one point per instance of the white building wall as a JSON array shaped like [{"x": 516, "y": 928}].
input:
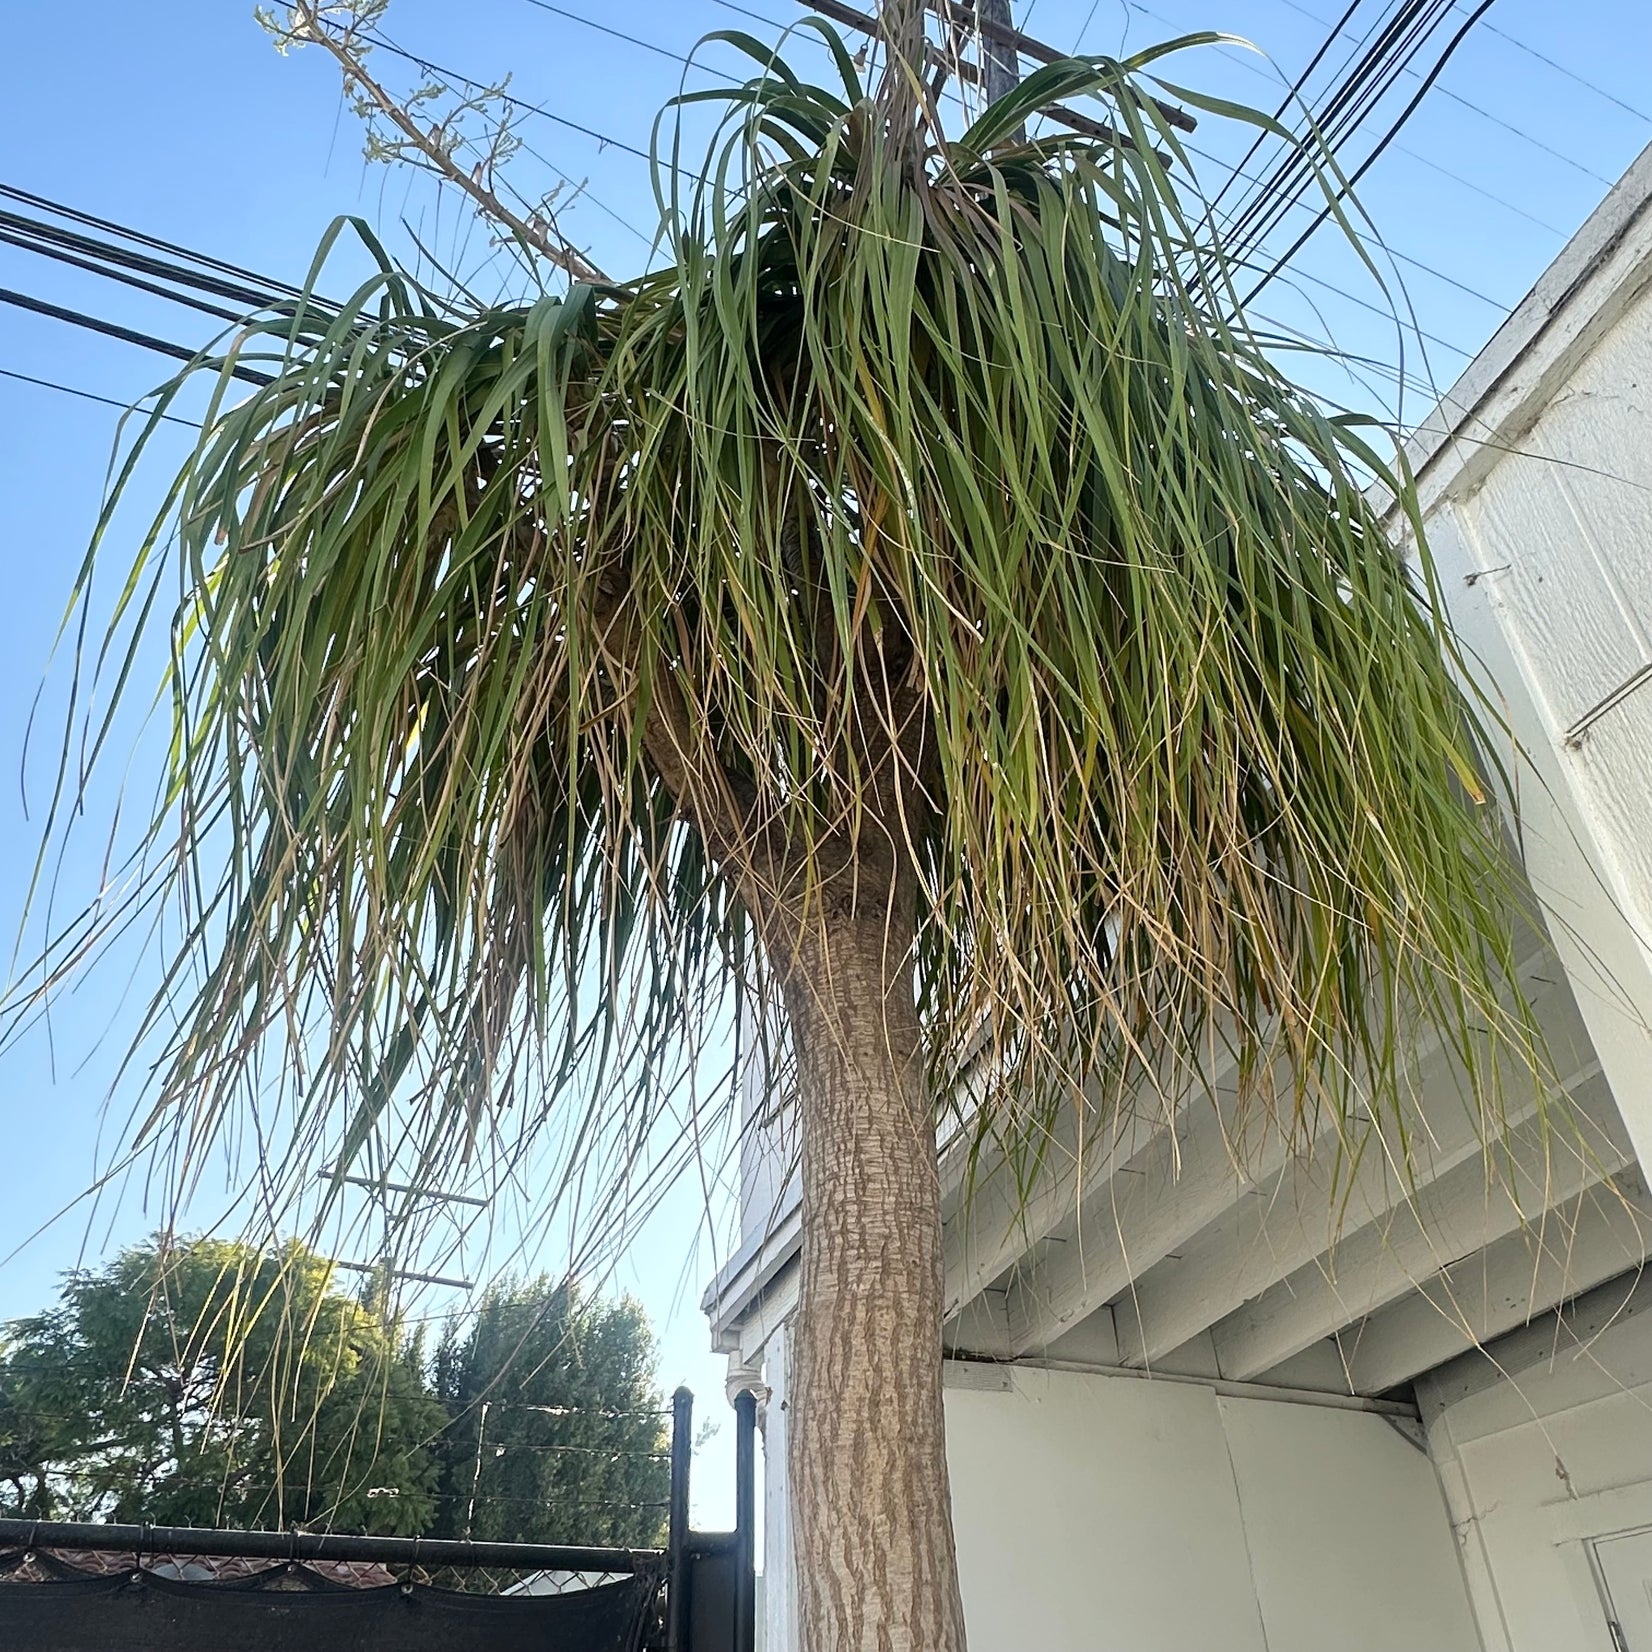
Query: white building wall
[
  {"x": 1164, "y": 1516},
  {"x": 1540, "y": 518},
  {"x": 1539, "y": 1460},
  {"x": 1346, "y": 1525},
  {"x": 777, "y": 1627},
  {"x": 1098, "y": 1511},
  {"x": 1085, "y": 1509},
  {"x": 768, "y": 1140},
  {"x": 1539, "y": 512}
]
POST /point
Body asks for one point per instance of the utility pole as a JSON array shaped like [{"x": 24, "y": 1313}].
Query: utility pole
[
  {"x": 1000, "y": 61},
  {"x": 1000, "y": 46},
  {"x": 382, "y": 1268}
]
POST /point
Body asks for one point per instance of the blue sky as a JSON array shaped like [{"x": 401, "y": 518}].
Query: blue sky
[{"x": 184, "y": 122}]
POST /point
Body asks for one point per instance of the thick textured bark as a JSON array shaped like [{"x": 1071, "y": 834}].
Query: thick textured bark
[{"x": 872, "y": 1514}]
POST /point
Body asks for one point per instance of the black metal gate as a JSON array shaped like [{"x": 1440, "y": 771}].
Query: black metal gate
[{"x": 698, "y": 1594}]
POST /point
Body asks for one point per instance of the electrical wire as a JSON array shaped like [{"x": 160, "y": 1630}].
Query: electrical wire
[
  {"x": 1391, "y": 252},
  {"x": 1084, "y": 27},
  {"x": 631, "y": 39},
  {"x": 265, "y": 295},
  {"x": 1375, "y": 309},
  {"x": 1371, "y": 159},
  {"x": 1287, "y": 102},
  {"x": 128, "y": 335},
  {"x": 1485, "y": 114},
  {"x": 1245, "y": 61},
  {"x": 46, "y": 204},
  {"x": 9, "y": 237},
  {"x": 430, "y": 66},
  {"x": 1365, "y": 81},
  {"x": 1561, "y": 69},
  {"x": 93, "y": 396}
]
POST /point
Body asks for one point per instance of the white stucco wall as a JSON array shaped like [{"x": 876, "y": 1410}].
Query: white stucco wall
[
  {"x": 1539, "y": 512},
  {"x": 1085, "y": 1507},
  {"x": 1540, "y": 517},
  {"x": 1096, "y": 1513},
  {"x": 1101, "y": 1512},
  {"x": 1538, "y": 1462}
]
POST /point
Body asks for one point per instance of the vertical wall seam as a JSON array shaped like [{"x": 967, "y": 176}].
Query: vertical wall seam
[
  {"x": 1222, "y": 1405},
  {"x": 1467, "y": 1527}
]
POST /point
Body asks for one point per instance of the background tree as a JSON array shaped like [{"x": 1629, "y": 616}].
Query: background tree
[
  {"x": 923, "y": 601},
  {"x": 209, "y": 1383},
  {"x": 33, "y": 1446},
  {"x": 557, "y": 1431}
]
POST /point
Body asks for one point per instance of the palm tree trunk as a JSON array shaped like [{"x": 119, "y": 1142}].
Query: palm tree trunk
[{"x": 872, "y": 1515}]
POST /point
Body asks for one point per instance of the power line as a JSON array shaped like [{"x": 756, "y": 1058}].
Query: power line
[
  {"x": 180, "y": 268},
  {"x": 1367, "y": 304},
  {"x": 1561, "y": 69},
  {"x": 1364, "y": 82},
  {"x": 1293, "y": 91},
  {"x": 583, "y": 189},
  {"x": 1392, "y": 252},
  {"x": 265, "y": 295},
  {"x": 631, "y": 39},
  {"x": 429, "y": 66},
  {"x": 110, "y": 329},
  {"x": 93, "y": 396},
  {"x": 1382, "y": 143},
  {"x": 758, "y": 17},
  {"x": 1243, "y": 61},
  {"x": 1485, "y": 114},
  {"x": 1478, "y": 189},
  {"x": 1084, "y": 27},
  {"x": 44, "y": 203},
  {"x": 9, "y": 237},
  {"x": 731, "y": 5}
]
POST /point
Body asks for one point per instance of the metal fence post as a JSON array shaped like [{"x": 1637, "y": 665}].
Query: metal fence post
[
  {"x": 676, "y": 1597},
  {"x": 745, "y": 1521}
]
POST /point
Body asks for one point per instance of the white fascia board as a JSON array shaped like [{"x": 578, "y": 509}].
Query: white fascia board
[
  {"x": 1597, "y": 275},
  {"x": 739, "y": 1284}
]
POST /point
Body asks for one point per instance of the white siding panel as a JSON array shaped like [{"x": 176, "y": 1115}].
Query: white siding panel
[
  {"x": 1108, "y": 1512},
  {"x": 1521, "y": 1453},
  {"x": 1562, "y": 533},
  {"x": 1613, "y": 770},
  {"x": 1346, "y": 1527},
  {"x": 1551, "y": 591},
  {"x": 1597, "y": 429},
  {"x": 1098, "y": 1512}
]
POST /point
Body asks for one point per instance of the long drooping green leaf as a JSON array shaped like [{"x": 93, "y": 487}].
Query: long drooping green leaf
[{"x": 525, "y": 655}]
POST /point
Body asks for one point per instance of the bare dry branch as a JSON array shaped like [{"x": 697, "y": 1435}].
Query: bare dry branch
[{"x": 311, "y": 26}]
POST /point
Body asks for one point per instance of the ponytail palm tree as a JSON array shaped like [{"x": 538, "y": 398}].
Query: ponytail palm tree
[{"x": 923, "y": 600}]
